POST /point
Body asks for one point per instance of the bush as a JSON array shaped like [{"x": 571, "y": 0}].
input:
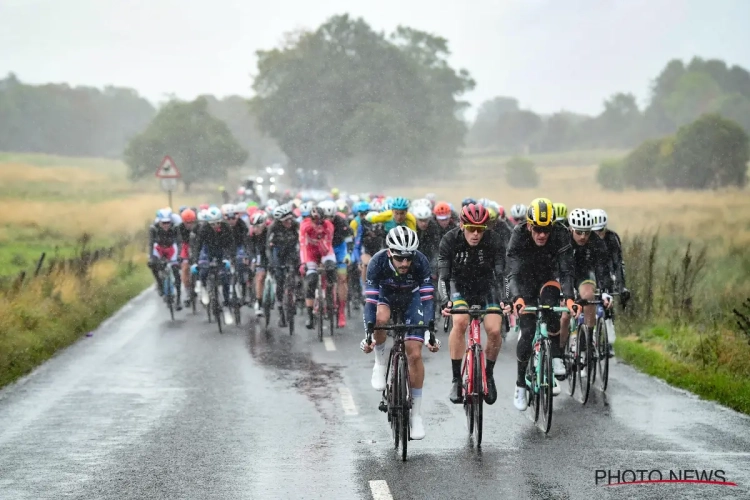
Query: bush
[
  {"x": 640, "y": 166},
  {"x": 521, "y": 173},
  {"x": 609, "y": 175},
  {"x": 709, "y": 153}
]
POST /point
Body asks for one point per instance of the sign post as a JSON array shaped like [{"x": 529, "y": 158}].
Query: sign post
[{"x": 168, "y": 173}]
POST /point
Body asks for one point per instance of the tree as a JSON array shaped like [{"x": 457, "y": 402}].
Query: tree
[
  {"x": 609, "y": 175},
  {"x": 517, "y": 130},
  {"x": 483, "y": 132},
  {"x": 521, "y": 173},
  {"x": 711, "y": 152},
  {"x": 201, "y": 145},
  {"x": 346, "y": 95},
  {"x": 619, "y": 123}
]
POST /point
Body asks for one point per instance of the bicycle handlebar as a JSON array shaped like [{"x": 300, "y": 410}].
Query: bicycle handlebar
[
  {"x": 476, "y": 311},
  {"x": 546, "y": 308},
  {"x": 429, "y": 327}
]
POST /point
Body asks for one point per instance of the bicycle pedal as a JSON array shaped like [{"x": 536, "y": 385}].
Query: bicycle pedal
[{"x": 383, "y": 407}]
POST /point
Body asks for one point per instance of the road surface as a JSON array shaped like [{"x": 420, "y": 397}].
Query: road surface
[{"x": 151, "y": 409}]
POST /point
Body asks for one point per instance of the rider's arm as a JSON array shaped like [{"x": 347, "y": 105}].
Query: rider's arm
[
  {"x": 372, "y": 292},
  {"x": 565, "y": 261},
  {"x": 197, "y": 244},
  {"x": 380, "y": 218},
  {"x": 617, "y": 260},
  {"x": 151, "y": 239},
  {"x": 602, "y": 263},
  {"x": 445, "y": 260},
  {"x": 411, "y": 221},
  {"x": 426, "y": 287},
  {"x": 228, "y": 247},
  {"x": 498, "y": 251},
  {"x": 514, "y": 260}
]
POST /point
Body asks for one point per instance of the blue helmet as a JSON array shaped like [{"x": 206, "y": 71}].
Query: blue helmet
[
  {"x": 360, "y": 207},
  {"x": 400, "y": 203},
  {"x": 468, "y": 201},
  {"x": 164, "y": 215}
]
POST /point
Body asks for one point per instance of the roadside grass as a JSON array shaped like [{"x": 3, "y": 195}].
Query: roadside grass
[{"x": 51, "y": 313}]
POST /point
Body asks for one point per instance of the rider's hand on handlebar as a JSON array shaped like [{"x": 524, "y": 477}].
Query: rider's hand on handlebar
[
  {"x": 505, "y": 307},
  {"x": 367, "y": 348},
  {"x": 518, "y": 305},
  {"x": 435, "y": 347},
  {"x": 574, "y": 308},
  {"x": 446, "y": 309},
  {"x": 607, "y": 299}
]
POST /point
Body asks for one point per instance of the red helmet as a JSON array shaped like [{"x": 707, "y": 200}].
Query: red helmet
[
  {"x": 474, "y": 214},
  {"x": 188, "y": 215},
  {"x": 203, "y": 206},
  {"x": 442, "y": 210}
]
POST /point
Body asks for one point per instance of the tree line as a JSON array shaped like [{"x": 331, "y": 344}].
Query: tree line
[{"x": 679, "y": 95}]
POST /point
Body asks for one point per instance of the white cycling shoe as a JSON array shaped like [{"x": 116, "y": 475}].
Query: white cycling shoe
[
  {"x": 378, "y": 376},
  {"x": 558, "y": 367},
  {"x": 555, "y": 387},
  {"x": 204, "y": 296},
  {"x": 228, "y": 318},
  {"x": 519, "y": 399},
  {"x": 416, "y": 427}
]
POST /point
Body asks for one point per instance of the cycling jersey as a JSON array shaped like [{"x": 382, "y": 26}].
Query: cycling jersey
[
  {"x": 282, "y": 237},
  {"x": 213, "y": 243},
  {"x": 370, "y": 238},
  {"x": 529, "y": 266},
  {"x": 412, "y": 292},
  {"x": 429, "y": 243},
  {"x": 452, "y": 224},
  {"x": 257, "y": 248},
  {"x": 240, "y": 235},
  {"x": 614, "y": 251},
  {"x": 341, "y": 230},
  {"x": 316, "y": 241},
  {"x": 163, "y": 237},
  {"x": 386, "y": 218},
  {"x": 501, "y": 228},
  {"x": 186, "y": 237},
  {"x": 592, "y": 263},
  {"x": 476, "y": 270}
]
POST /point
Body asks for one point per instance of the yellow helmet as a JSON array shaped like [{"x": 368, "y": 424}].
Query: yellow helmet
[
  {"x": 492, "y": 212},
  {"x": 541, "y": 213},
  {"x": 561, "y": 211}
]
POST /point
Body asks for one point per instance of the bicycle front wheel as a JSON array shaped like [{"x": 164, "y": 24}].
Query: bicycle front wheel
[
  {"x": 546, "y": 380},
  {"x": 478, "y": 396},
  {"x": 603, "y": 353},
  {"x": 584, "y": 360},
  {"x": 319, "y": 318},
  {"x": 571, "y": 363},
  {"x": 405, "y": 406},
  {"x": 468, "y": 385}
]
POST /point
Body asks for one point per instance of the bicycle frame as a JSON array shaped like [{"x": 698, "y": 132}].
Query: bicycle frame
[{"x": 474, "y": 338}]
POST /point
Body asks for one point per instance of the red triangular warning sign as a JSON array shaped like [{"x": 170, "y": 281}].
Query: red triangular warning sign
[{"x": 167, "y": 169}]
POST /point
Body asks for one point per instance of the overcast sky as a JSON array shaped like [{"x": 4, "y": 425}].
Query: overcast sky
[{"x": 550, "y": 54}]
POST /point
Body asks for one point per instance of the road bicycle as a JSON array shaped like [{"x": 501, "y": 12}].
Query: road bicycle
[
  {"x": 396, "y": 400},
  {"x": 473, "y": 372},
  {"x": 236, "y": 299},
  {"x": 324, "y": 304},
  {"x": 290, "y": 294},
  {"x": 167, "y": 280},
  {"x": 540, "y": 378},
  {"x": 269, "y": 297},
  {"x": 212, "y": 283}
]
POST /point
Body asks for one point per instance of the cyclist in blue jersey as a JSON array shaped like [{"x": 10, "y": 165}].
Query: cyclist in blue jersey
[{"x": 399, "y": 277}]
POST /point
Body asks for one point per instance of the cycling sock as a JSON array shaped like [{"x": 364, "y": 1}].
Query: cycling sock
[
  {"x": 416, "y": 393},
  {"x": 490, "y": 368},
  {"x": 521, "y": 377},
  {"x": 456, "y": 365}
]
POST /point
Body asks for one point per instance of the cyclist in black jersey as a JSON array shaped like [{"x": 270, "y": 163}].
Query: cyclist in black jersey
[
  {"x": 429, "y": 236},
  {"x": 474, "y": 259},
  {"x": 258, "y": 251},
  {"x": 283, "y": 244},
  {"x": 539, "y": 252},
  {"x": 591, "y": 264}
]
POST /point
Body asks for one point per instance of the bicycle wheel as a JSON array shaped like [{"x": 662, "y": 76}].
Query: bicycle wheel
[
  {"x": 405, "y": 406},
  {"x": 331, "y": 309},
  {"x": 603, "y": 353},
  {"x": 532, "y": 386},
  {"x": 584, "y": 357},
  {"x": 571, "y": 364},
  {"x": 193, "y": 295},
  {"x": 290, "y": 308},
  {"x": 478, "y": 396},
  {"x": 216, "y": 306},
  {"x": 468, "y": 370},
  {"x": 169, "y": 293},
  {"x": 394, "y": 403},
  {"x": 318, "y": 317},
  {"x": 546, "y": 378}
]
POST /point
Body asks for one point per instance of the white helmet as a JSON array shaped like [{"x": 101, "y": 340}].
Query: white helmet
[
  {"x": 402, "y": 240},
  {"x": 228, "y": 210},
  {"x": 213, "y": 215},
  {"x": 518, "y": 211},
  {"x": 241, "y": 207},
  {"x": 327, "y": 208},
  {"x": 202, "y": 215},
  {"x": 580, "y": 220},
  {"x": 422, "y": 212},
  {"x": 599, "y": 218},
  {"x": 375, "y": 205},
  {"x": 485, "y": 202},
  {"x": 431, "y": 197},
  {"x": 259, "y": 217},
  {"x": 421, "y": 202},
  {"x": 306, "y": 208},
  {"x": 272, "y": 204},
  {"x": 281, "y": 212}
]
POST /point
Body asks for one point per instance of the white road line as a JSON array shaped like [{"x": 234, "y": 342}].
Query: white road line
[
  {"x": 380, "y": 490},
  {"x": 686, "y": 452},
  {"x": 347, "y": 401},
  {"x": 328, "y": 342}
]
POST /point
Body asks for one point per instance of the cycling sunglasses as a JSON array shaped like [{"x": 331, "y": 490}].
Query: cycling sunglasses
[
  {"x": 402, "y": 258},
  {"x": 542, "y": 229},
  {"x": 475, "y": 228},
  {"x": 582, "y": 233}
]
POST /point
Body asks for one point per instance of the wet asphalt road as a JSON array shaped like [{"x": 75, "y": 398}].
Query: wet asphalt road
[{"x": 147, "y": 408}]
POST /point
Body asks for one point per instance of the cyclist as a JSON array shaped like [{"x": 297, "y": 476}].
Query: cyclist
[
  {"x": 214, "y": 241},
  {"x": 369, "y": 240},
  {"x": 474, "y": 259},
  {"x": 429, "y": 236},
  {"x": 233, "y": 217},
  {"x": 410, "y": 290},
  {"x": 188, "y": 230},
  {"x": 538, "y": 251},
  {"x": 591, "y": 263},
  {"x": 561, "y": 214},
  {"x": 468, "y": 201},
  {"x": 396, "y": 215},
  {"x": 257, "y": 243},
  {"x": 614, "y": 249},
  {"x": 315, "y": 247},
  {"x": 164, "y": 240},
  {"x": 283, "y": 242},
  {"x": 342, "y": 234},
  {"x": 517, "y": 214},
  {"x": 445, "y": 217},
  {"x": 498, "y": 225}
]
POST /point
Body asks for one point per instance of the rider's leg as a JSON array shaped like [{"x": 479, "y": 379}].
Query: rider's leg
[
  {"x": 311, "y": 283},
  {"x": 457, "y": 347},
  {"x": 363, "y": 267}
]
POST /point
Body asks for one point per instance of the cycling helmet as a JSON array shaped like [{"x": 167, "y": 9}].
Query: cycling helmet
[
  {"x": 241, "y": 191},
  {"x": 540, "y": 213},
  {"x": 202, "y": 215},
  {"x": 442, "y": 211},
  {"x": 188, "y": 215},
  {"x": 474, "y": 214},
  {"x": 241, "y": 208},
  {"x": 376, "y": 205},
  {"x": 484, "y": 202},
  {"x": 228, "y": 210},
  {"x": 272, "y": 204},
  {"x": 518, "y": 211},
  {"x": 213, "y": 215},
  {"x": 327, "y": 208},
  {"x": 361, "y": 207},
  {"x": 306, "y": 208},
  {"x": 182, "y": 209},
  {"x": 561, "y": 211},
  {"x": 164, "y": 215},
  {"x": 402, "y": 241},
  {"x": 580, "y": 219},
  {"x": 599, "y": 219},
  {"x": 493, "y": 213},
  {"x": 316, "y": 212},
  {"x": 500, "y": 211},
  {"x": 400, "y": 203},
  {"x": 342, "y": 205},
  {"x": 431, "y": 197},
  {"x": 203, "y": 206},
  {"x": 468, "y": 201},
  {"x": 421, "y": 202},
  {"x": 422, "y": 212},
  {"x": 282, "y": 212},
  {"x": 259, "y": 218}
]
